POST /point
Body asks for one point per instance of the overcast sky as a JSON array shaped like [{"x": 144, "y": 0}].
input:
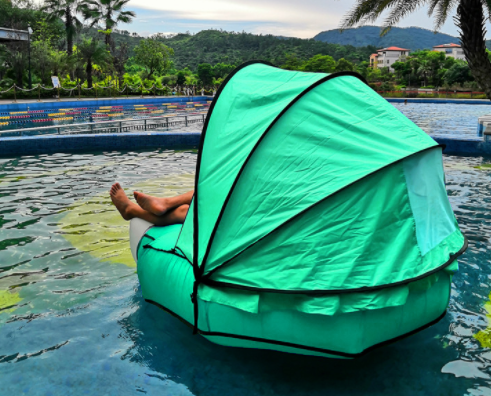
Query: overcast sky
[{"x": 295, "y": 18}]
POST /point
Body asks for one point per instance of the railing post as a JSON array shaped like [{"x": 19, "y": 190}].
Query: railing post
[
  {"x": 15, "y": 95},
  {"x": 78, "y": 91},
  {"x": 95, "y": 87},
  {"x": 58, "y": 88},
  {"x": 154, "y": 90},
  {"x": 186, "y": 118},
  {"x": 141, "y": 87},
  {"x": 58, "y": 128},
  {"x": 91, "y": 128},
  {"x": 203, "y": 117},
  {"x": 39, "y": 92},
  {"x": 120, "y": 126},
  {"x": 145, "y": 122},
  {"x": 126, "y": 87}
]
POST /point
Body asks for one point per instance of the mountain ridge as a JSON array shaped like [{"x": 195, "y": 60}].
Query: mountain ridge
[{"x": 413, "y": 38}]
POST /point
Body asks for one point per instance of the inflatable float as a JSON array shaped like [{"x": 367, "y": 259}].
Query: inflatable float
[{"x": 320, "y": 222}]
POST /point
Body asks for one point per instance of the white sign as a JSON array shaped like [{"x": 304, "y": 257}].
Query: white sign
[{"x": 56, "y": 82}]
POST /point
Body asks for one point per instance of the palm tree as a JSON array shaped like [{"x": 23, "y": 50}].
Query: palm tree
[
  {"x": 66, "y": 10},
  {"x": 108, "y": 13},
  {"x": 89, "y": 52},
  {"x": 471, "y": 18}
]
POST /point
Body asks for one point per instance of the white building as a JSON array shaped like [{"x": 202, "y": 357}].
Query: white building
[
  {"x": 452, "y": 50},
  {"x": 386, "y": 57}
]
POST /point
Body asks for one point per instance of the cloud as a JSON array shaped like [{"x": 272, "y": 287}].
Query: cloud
[{"x": 293, "y": 18}]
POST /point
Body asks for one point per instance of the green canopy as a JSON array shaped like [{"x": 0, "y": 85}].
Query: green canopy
[{"x": 314, "y": 184}]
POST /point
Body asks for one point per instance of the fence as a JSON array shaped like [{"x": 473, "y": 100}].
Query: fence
[
  {"x": 147, "y": 124},
  {"x": 433, "y": 94},
  {"x": 78, "y": 90}
]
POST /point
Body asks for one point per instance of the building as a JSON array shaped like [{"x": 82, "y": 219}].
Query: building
[
  {"x": 373, "y": 61},
  {"x": 386, "y": 57},
  {"x": 451, "y": 50}
]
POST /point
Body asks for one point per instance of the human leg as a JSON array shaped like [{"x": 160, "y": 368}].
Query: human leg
[
  {"x": 159, "y": 206},
  {"x": 130, "y": 210}
]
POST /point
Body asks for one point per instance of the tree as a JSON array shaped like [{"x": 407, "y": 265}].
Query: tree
[
  {"x": 109, "y": 13},
  {"x": 205, "y": 73},
  {"x": 66, "y": 10},
  {"x": 459, "y": 73},
  {"x": 153, "y": 55},
  {"x": 181, "y": 78},
  {"x": 320, "y": 63},
  {"x": 90, "y": 52},
  {"x": 292, "y": 63},
  {"x": 344, "y": 65},
  {"x": 471, "y": 17}
]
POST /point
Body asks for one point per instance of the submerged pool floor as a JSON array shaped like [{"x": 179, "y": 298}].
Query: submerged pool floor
[{"x": 73, "y": 322}]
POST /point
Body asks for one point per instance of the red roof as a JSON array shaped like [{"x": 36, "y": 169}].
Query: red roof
[
  {"x": 374, "y": 55},
  {"x": 451, "y": 45},
  {"x": 393, "y": 49}
]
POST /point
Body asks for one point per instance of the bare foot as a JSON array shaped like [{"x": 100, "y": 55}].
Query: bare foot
[
  {"x": 122, "y": 202},
  {"x": 157, "y": 206}
]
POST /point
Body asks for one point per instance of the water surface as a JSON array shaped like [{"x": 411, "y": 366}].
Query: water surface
[{"x": 73, "y": 322}]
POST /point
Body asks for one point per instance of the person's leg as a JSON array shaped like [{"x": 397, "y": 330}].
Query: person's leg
[
  {"x": 130, "y": 210},
  {"x": 159, "y": 206}
]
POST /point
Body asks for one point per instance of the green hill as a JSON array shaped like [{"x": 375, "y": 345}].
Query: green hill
[
  {"x": 413, "y": 38},
  {"x": 215, "y": 46}
]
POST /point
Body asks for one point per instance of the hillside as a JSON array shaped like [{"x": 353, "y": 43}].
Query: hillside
[
  {"x": 215, "y": 46},
  {"x": 413, "y": 38}
]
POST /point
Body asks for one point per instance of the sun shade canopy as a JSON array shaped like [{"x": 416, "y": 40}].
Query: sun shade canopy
[{"x": 312, "y": 183}]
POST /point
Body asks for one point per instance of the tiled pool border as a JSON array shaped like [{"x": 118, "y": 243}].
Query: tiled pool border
[
  {"x": 24, "y": 106},
  {"x": 32, "y": 145}
]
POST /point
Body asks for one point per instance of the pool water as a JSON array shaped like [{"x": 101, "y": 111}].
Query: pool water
[
  {"x": 73, "y": 322},
  {"x": 84, "y": 114},
  {"x": 445, "y": 119}
]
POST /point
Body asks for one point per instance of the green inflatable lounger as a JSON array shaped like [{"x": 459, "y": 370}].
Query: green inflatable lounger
[{"x": 320, "y": 223}]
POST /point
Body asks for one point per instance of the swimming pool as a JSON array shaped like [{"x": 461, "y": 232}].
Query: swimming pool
[
  {"x": 73, "y": 322},
  {"x": 76, "y": 115},
  {"x": 445, "y": 119}
]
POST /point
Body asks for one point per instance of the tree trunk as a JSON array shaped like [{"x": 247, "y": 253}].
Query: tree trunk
[
  {"x": 471, "y": 21},
  {"x": 69, "y": 33},
  {"x": 88, "y": 70}
]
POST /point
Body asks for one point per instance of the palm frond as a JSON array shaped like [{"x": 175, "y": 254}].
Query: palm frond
[
  {"x": 400, "y": 9},
  {"x": 443, "y": 9}
]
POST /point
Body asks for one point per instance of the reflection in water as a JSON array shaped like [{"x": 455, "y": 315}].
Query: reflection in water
[{"x": 72, "y": 319}]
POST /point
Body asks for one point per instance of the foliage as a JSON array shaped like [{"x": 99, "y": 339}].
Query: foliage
[
  {"x": 344, "y": 65},
  {"x": 153, "y": 55},
  {"x": 205, "y": 73},
  {"x": 413, "y": 38},
  {"x": 91, "y": 52},
  {"x": 459, "y": 73},
  {"x": 217, "y": 46},
  {"x": 108, "y": 13},
  {"x": 66, "y": 10},
  {"x": 319, "y": 63}
]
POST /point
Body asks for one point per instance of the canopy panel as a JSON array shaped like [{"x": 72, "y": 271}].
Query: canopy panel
[
  {"x": 363, "y": 236},
  {"x": 249, "y": 102},
  {"x": 337, "y": 133}
]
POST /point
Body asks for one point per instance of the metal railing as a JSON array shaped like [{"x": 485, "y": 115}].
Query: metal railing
[{"x": 116, "y": 126}]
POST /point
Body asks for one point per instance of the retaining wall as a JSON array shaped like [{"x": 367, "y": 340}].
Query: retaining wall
[{"x": 32, "y": 145}]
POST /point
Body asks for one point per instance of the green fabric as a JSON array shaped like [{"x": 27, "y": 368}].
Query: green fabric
[
  {"x": 319, "y": 146},
  {"x": 431, "y": 208},
  {"x": 167, "y": 279},
  {"x": 362, "y": 236},
  {"x": 185, "y": 240},
  {"x": 249, "y": 103}
]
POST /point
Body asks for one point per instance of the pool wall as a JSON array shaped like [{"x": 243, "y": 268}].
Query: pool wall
[
  {"x": 33, "y": 145},
  {"x": 100, "y": 102},
  {"x": 440, "y": 101}
]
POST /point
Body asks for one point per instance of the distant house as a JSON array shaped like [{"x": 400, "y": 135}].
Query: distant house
[
  {"x": 452, "y": 50},
  {"x": 386, "y": 57},
  {"x": 373, "y": 61}
]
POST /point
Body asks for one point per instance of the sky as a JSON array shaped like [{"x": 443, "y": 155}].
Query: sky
[{"x": 292, "y": 18}]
